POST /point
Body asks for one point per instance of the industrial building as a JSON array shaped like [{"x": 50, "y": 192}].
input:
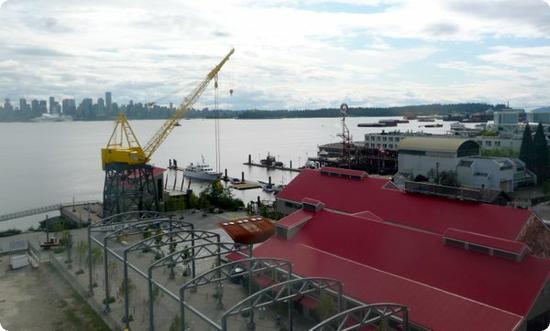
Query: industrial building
[
  {"x": 429, "y": 157},
  {"x": 539, "y": 115},
  {"x": 456, "y": 265}
]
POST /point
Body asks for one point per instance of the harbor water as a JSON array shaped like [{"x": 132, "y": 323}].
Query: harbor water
[{"x": 48, "y": 163}]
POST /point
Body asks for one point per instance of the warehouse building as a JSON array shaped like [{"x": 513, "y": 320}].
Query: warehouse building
[
  {"x": 456, "y": 265},
  {"x": 430, "y": 157}
]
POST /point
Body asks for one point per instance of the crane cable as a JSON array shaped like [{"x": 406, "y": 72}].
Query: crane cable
[{"x": 217, "y": 126}]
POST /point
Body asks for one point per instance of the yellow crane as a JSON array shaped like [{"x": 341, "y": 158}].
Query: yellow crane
[
  {"x": 124, "y": 148},
  {"x": 130, "y": 182}
]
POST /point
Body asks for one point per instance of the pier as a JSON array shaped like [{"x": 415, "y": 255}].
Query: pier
[
  {"x": 43, "y": 209},
  {"x": 267, "y": 166}
]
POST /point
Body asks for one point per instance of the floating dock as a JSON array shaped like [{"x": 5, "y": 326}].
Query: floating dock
[
  {"x": 246, "y": 186},
  {"x": 272, "y": 167}
]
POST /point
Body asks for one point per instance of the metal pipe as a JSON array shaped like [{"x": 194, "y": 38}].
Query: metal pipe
[
  {"x": 126, "y": 295},
  {"x": 91, "y": 281},
  {"x": 106, "y": 273}
]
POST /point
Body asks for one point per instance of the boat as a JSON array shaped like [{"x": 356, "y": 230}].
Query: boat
[
  {"x": 457, "y": 126},
  {"x": 201, "y": 171},
  {"x": 426, "y": 119},
  {"x": 52, "y": 118},
  {"x": 377, "y": 125},
  {"x": 177, "y": 124},
  {"x": 235, "y": 180},
  {"x": 268, "y": 188},
  {"x": 438, "y": 125},
  {"x": 270, "y": 161}
]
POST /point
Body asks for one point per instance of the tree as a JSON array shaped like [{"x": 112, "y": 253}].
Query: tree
[
  {"x": 526, "y": 151},
  {"x": 541, "y": 159}
]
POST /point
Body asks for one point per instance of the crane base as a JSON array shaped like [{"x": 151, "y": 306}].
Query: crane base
[{"x": 129, "y": 188}]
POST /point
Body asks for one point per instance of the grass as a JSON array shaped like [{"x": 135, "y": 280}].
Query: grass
[{"x": 77, "y": 311}]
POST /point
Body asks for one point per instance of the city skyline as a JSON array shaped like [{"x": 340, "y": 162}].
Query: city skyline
[{"x": 289, "y": 54}]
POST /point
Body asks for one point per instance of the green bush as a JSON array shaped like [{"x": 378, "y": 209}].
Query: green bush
[{"x": 9, "y": 232}]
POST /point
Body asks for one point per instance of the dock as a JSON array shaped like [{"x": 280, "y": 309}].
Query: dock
[
  {"x": 272, "y": 167},
  {"x": 246, "y": 186}
]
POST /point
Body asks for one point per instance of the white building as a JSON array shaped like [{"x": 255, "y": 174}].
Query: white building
[
  {"x": 539, "y": 115},
  {"x": 503, "y": 174},
  {"x": 430, "y": 156},
  {"x": 421, "y": 156}
]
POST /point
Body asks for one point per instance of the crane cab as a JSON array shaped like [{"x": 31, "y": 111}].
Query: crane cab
[{"x": 129, "y": 156}]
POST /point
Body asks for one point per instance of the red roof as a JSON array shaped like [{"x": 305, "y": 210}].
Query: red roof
[
  {"x": 445, "y": 288},
  {"x": 295, "y": 219},
  {"x": 342, "y": 171},
  {"x": 419, "y": 211},
  {"x": 515, "y": 247}
]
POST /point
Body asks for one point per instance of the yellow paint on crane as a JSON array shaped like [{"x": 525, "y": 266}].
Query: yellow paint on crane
[{"x": 123, "y": 146}]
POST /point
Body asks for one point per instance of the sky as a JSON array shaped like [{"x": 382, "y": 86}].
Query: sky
[{"x": 289, "y": 54}]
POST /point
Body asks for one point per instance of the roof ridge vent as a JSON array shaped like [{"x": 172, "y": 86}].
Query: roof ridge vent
[
  {"x": 471, "y": 241},
  {"x": 313, "y": 205},
  {"x": 343, "y": 173}
]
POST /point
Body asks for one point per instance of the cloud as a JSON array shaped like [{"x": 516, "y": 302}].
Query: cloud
[{"x": 289, "y": 53}]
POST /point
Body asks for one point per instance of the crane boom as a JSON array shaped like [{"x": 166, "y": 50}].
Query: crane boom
[{"x": 163, "y": 132}]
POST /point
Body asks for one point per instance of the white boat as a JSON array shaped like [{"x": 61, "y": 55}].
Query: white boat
[
  {"x": 201, "y": 171},
  {"x": 52, "y": 118}
]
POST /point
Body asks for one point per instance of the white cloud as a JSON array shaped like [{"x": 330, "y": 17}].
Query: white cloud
[{"x": 286, "y": 56}]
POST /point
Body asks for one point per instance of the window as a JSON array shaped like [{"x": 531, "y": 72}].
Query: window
[
  {"x": 488, "y": 143},
  {"x": 497, "y": 143}
]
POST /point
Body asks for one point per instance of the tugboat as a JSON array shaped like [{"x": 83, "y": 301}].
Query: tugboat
[{"x": 270, "y": 161}]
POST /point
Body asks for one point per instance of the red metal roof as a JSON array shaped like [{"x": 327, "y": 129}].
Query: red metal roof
[
  {"x": 295, "y": 219},
  {"x": 419, "y": 211},
  {"x": 341, "y": 171},
  {"x": 515, "y": 247},
  {"x": 249, "y": 230},
  {"x": 445, "y": 288}
]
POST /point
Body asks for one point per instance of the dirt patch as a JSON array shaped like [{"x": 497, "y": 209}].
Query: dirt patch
[{"x": 39, "y": 299}]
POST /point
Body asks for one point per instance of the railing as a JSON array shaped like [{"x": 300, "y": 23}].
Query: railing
[
  {"x": 460, "y": 193},
  {"x": 43, "y": 209}
]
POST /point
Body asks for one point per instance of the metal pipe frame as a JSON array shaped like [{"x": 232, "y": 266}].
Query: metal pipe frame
[
  {"x": 152, "y": 242},
  {"x": 137, "y": 226},
  {"x": 225, "y": 272},
  {"x": 284, "y": 291},
  {"x": 141, "y": 215},
  {"x": 368, "y": 315},
  {"x": 170, "y": 224},
  {"x": 181, "y": 257}
]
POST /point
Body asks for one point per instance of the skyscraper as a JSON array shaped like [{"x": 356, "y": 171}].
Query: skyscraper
[
  {"x": 43, "y": 106},
  {"x": 69, "y": 107},
  {"x": 23, "y": 105},
  {"x": 35, "y": 106},
  {"x": 108, "y": 101},
  {"x": 52, "y": 105}
]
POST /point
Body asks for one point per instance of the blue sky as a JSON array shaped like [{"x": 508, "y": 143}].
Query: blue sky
[{"x": 290, "y": 54}]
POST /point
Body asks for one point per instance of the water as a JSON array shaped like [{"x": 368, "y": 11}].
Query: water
[{"x": 48, "y": 163}]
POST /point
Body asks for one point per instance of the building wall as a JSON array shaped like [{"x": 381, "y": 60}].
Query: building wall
[
  {"x": 539, "y": 117},
  {"x": 486, "y": 173},
  {"x": 286, "y": 207},
  {"x": 540, "y": 310},
  {"x": 498, "y": 142},
  {"x": 422, "y": 164}
]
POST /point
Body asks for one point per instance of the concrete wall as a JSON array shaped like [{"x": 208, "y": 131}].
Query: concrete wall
[
  {"x": 541, "y": 308},
  {"x": 286, "y": 207}
]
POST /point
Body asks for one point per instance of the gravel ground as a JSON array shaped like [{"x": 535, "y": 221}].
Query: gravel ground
[{"x": 39, "y": 299}]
